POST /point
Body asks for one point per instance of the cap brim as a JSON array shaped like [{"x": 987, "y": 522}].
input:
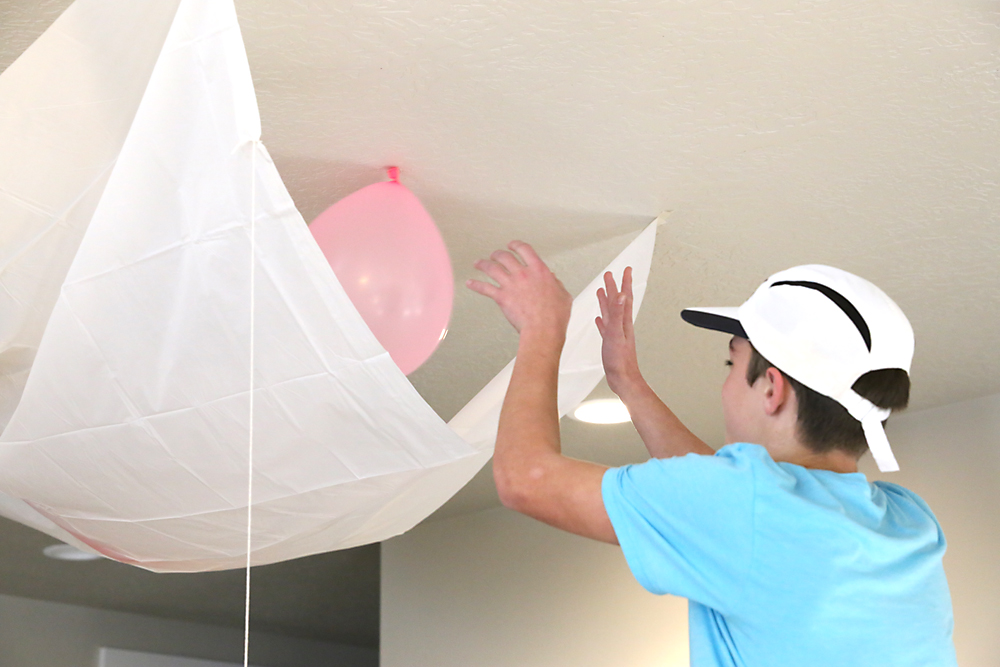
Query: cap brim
[{"x": 725, "y": 320}]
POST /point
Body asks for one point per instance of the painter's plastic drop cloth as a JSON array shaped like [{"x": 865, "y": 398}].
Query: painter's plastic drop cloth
[{"x": 132, "y": 170}]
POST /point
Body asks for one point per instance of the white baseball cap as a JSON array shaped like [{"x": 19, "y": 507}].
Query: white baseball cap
[{"x": 826, "y": 328}]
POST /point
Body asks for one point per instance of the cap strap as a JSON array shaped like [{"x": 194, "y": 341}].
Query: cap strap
[
  {"x": 871, "y": 417},
  {"x": 878, "y": 444}
]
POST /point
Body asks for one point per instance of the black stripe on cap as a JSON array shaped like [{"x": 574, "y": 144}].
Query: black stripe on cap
[
  {"x": 714, "y": 322},
  {"x": 841, "y": 301}
]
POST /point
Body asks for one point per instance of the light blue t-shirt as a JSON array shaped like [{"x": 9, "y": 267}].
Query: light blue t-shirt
[{"x": 785, "y": 566}]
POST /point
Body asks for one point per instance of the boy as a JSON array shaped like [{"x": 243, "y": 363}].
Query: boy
[{"x": 787, "y": 554}]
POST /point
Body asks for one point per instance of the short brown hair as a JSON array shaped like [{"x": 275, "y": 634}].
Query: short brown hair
[{"x": 823, "y": 423}]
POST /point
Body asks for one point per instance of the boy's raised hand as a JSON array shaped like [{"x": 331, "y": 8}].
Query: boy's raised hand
[
  {"x": 529, "y": 294},
  {"x": 621, "y": 364},
  {"x": 663, "y": 434}
]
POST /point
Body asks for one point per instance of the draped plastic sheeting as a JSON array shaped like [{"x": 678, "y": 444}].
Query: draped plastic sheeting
[{"x": 132, "y": 183}]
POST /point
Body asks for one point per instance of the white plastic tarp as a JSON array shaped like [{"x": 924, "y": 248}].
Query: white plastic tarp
[{"x": 134, "y": 192}]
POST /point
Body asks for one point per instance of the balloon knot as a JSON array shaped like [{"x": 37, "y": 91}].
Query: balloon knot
[{"x": 393, "y": 173}]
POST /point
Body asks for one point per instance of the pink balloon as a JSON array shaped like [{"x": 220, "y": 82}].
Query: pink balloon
[{"x": 390, "y": 258}]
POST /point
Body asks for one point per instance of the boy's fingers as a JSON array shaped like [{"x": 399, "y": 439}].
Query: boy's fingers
[
  {"x": 610, "y": 286},
  {"x": 627, "y": 316},
  {"x": 600, "y": 325},
  {"x": 493, "y": 270},
  {"x": 527, "y": 253},
  {"x": 627, "y": 301},
  {"x": 507, "y": 260},
  {"x": 602, "y": 302},
  {"x": 486, "y": 289}
]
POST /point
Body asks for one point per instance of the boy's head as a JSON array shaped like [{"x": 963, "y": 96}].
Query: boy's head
[
  {"x": 838, "y": 340},
  {"x": 824, "y": 424}
]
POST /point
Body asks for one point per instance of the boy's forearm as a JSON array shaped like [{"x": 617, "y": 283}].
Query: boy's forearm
[
  {"x": 661, "y": 431},
  {"x": 532, "y": 476},
  {"x": 528, "y": 433}
]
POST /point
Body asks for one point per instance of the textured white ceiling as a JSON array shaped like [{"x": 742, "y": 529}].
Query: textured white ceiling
[
  {"x": 860, "y": 134},
  {"x": 863, "y": 135}
]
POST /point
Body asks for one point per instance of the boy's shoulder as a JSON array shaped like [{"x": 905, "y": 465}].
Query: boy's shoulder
[{"x": 750, "y": 467}]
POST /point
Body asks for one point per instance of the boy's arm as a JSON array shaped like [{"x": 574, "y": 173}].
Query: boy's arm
[
  {"x": 662, "y": 432},
  {"x": 531, "y": 474}
]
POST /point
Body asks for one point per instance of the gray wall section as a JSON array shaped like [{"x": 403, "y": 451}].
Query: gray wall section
[
  {"x": 951, "y": 457},
  {"x": 48, "y": 634},
  {"x": 495, "y": 589}
]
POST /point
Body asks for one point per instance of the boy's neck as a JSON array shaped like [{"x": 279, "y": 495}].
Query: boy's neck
[{"x": 836, "y": 460}]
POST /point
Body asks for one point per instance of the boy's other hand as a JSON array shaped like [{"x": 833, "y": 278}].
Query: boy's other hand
[
  {"x": 528, "y": 293},
  {"x": 621, "y": 364}
]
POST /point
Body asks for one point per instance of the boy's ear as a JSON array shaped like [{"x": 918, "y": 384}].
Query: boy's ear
[{"x": 776, "y": 390}]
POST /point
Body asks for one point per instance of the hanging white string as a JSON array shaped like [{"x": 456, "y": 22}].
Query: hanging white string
[{"x": 253, "y": 307}]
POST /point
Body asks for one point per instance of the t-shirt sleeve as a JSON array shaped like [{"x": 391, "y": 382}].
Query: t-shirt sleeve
[{"x": 685, "y": 524}]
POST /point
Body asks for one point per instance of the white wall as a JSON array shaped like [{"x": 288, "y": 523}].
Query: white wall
[
  {"x": 48, "y": 634},
  {"x": 497, "y": 589},
  {"x": 951, "y": 457}
]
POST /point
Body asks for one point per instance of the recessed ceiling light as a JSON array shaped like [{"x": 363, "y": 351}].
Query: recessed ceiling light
[
  {"x": 67, "y": 552},
  {"x": 602, "y": 411}
]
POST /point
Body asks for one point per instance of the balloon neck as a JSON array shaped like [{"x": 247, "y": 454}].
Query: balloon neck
[{"x": 393, "y": 174}]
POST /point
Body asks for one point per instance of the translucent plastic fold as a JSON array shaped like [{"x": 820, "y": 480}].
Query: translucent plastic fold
[{"x": 136, "y": 202}]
